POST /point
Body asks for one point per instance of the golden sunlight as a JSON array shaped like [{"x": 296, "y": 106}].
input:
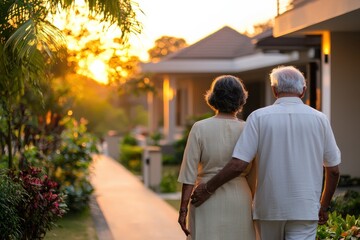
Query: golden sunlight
[
  {"x": 98, "y": 70},
  {"x": 95, "y": 42}
]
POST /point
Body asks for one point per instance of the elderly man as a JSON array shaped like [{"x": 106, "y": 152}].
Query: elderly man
[{"x": 293, "y": 142}]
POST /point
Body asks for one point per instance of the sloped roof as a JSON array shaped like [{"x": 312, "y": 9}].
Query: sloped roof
[
  {"x": 266, "y": 41},
  {"x": 224, "y": 51},
  {"x": 225, "y": 43}
]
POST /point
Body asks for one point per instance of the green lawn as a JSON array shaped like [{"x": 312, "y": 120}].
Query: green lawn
[
  {"x": 79, "y": 226},
  {"x": 173, "y": 169},
  {"x": 174, "y": 203}
]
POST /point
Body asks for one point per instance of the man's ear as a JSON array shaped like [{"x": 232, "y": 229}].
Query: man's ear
[
  {"x": 274, "y": 91},
  {"x": 303, "y": 92}
]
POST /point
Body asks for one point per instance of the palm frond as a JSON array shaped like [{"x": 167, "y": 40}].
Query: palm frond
[
  {"x": 120, "y": 12},
  {"x": 32, "y": 35}
]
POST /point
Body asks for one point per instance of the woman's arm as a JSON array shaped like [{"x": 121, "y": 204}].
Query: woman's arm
[
  {"x": 251, "y": 177},
  {"x": 185, "y": 198}
]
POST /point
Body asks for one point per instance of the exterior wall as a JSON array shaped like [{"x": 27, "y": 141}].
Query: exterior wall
[
  {"x": 200, "y": 85},
  {"x": 303, "y": 16},
  {"x": 345, "y": 98}
]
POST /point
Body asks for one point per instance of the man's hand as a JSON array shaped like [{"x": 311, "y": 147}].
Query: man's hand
[
  {"x": 231, "y": 170},
  {"x": 332, "y": 175},
  {"x": 323, "y": 216},
  {"x": 200, "y": 195}
]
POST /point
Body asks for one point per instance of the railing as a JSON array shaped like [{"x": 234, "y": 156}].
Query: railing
[{"x": 286, "y": 5}]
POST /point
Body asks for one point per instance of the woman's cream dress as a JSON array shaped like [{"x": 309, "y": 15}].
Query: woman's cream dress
[{"x": 226, "y": 215}]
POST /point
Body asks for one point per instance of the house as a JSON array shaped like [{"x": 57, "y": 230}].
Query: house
[
  {"x": 182, "y": 79},
  {"x": 338, "y": 25},
  {"x": 320, "y": 37}
]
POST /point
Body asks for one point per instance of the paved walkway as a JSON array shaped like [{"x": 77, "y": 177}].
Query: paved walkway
[{"x": 125, "y": 209}]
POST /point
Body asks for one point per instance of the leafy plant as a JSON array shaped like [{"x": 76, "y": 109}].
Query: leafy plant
[
  {"x": 72, "y": 161},
  {"x": 11, "y": 196},
  {"x": 347, "y": 203},
  {"x": 168, "y": 159},
  {"x": 155, "y": 138},
  {"x": 128, "y": 139},
  {"x": 348, "y": 181},
  {"x": 130, "y": 157},
  {"x": 38, "y": 203},
  {"x": 130, "y": 153},
  {"x": 339, "y": 228},
  {"x": 168, "y": 183}
]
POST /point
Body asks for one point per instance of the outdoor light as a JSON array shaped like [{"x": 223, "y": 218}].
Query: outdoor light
[{"x": 326, "y": 46}]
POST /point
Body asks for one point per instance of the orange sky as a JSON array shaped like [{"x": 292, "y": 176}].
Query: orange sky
[
  {"x": 196, "y": 19},
  {"x": 192, "y": 20}
]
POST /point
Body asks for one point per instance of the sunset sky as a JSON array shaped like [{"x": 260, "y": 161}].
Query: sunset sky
[
  {"x": 196, "y": 19},
  {"x": 192, "y": 20}
]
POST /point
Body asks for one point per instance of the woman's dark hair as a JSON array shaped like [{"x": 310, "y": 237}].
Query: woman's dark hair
[{"x": 227, "y": 94}]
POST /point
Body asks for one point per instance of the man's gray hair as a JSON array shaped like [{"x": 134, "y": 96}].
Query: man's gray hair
[{"x": 287, "y": 79}]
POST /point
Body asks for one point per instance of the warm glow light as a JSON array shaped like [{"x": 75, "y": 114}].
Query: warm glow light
[
  {"x": 159, "y": 18},
  {"x": 70, "y": 113},
  {"x": 326, "y": 46},
  {"x": 326, "y": 42},
  {"x": 98, "y": 70},
  {"x": 168, "y": 91}
]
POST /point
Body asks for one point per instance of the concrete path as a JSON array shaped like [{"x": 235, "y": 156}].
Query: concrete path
[{"x": 130, "y": 210}]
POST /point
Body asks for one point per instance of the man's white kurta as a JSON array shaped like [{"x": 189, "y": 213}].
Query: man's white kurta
[{"x": 293, "y": 142}]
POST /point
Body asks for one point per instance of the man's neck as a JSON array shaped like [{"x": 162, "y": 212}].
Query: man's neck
[{"x": 280, "y": 95}]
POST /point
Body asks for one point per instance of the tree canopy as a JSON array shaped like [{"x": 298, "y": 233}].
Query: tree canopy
[
  {"x": 165, "y": 46},
  {"x": 29, "y": 43}
]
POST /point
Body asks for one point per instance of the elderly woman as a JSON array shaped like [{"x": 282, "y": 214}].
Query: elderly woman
[{"x": 227, "y": 214}]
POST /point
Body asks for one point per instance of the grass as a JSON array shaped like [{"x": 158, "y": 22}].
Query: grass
[
  {"x": 174, "y": 203},
  {"x": 74, "y": 226},
  {"x": 173, "y": 169}
]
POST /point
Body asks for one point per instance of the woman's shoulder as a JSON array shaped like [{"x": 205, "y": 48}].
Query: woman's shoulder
[
  {"x": 211, "y": 121},
  {"x": 203, "y": 122}
]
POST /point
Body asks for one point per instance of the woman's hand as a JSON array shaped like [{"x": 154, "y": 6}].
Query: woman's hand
[{"x": 182, "y": 220}]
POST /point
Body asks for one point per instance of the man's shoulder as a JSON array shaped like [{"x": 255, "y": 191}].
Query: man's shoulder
[
  {"x": 315, "y": 112},
  {"x": 262, "y": 111}
]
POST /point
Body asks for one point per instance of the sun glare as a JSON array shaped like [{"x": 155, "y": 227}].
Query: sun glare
[
  {"x": 237, "y": 14},
  {"x": 98, "y": 71}
]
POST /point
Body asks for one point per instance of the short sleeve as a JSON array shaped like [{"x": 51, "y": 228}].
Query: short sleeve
[
  {"x": 246, "y": 146},
  {"x": 332, "y": 155},
  {"x": 192, "y": 153}
]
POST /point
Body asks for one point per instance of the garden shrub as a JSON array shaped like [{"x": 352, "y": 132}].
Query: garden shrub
[
  {"x": 169, "y": 160},
  {"x": 155, "y": 138},
  {"x": 71, "y": 164},
  {"x": 30, "y": 204},
  {"x": 339, "y": 228},
  {"x": 348, "y": 181},
  {"x": 130, "y": 154},
  {"x": 129, "y": 140},
  {"x": 347, "y": 203},
  {"x": 130, "y": 157},
  {"x": 11, "y": 196},
  {"x": 42, "y": 207},
  {"x": 168, "y": 183}
]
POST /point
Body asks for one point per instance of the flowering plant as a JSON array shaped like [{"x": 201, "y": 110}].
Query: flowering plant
[{"x": 43, "y": 204}]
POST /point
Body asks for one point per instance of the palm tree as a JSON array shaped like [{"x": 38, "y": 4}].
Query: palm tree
[{"x": 29, "y": 43}]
